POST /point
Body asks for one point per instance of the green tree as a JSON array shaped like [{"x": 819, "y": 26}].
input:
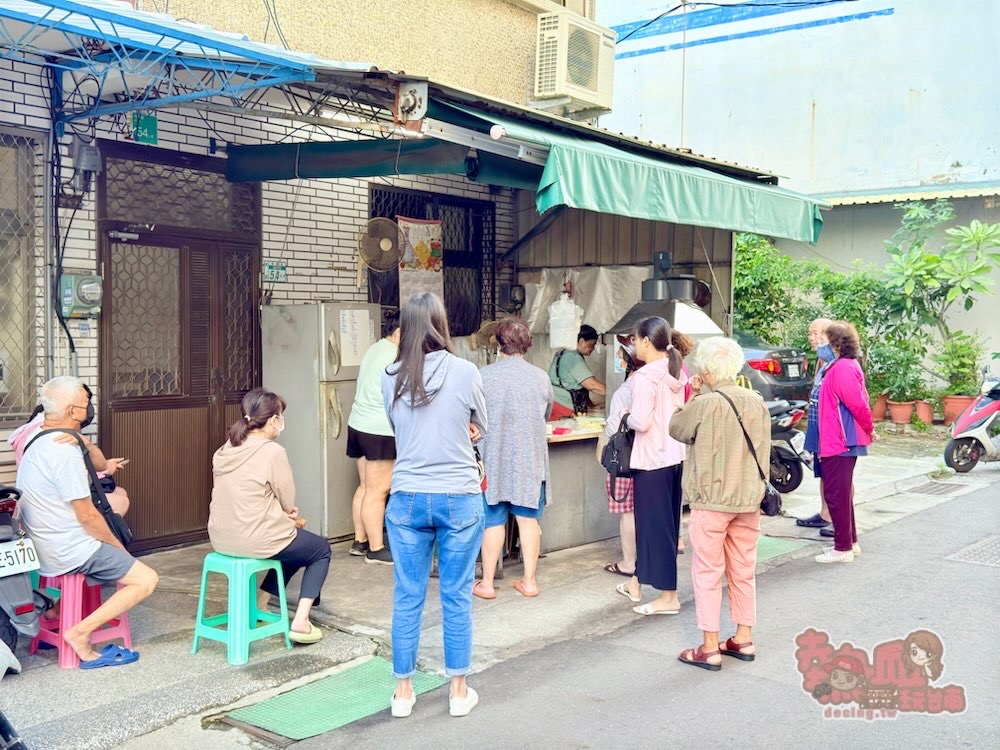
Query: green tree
[
  {"x": 926, "y": 284},
  {"x": 763, "y": 283}
]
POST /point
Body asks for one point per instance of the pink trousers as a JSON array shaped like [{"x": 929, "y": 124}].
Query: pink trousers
[{"x": 724, "y": 543}]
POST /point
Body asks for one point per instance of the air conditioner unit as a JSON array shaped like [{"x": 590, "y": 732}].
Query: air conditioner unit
[{"x": 575, "y": 58}]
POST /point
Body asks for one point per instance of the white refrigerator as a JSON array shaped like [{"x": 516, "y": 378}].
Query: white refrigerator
[{"x": 312, "y": 354}]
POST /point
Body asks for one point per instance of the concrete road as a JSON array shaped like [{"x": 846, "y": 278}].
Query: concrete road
[{"x": 627, "y": 689}]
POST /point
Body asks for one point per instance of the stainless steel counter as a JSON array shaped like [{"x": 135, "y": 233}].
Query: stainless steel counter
[{"x": 579, "y": 511}]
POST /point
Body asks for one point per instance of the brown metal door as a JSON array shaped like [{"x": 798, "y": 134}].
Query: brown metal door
[{"x": 180, "y": 346}]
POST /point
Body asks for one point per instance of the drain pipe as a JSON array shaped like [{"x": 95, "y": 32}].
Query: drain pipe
[{"x": 48, "y": 230}]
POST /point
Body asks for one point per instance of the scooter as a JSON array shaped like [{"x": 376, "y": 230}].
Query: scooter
[
  {"x": 787, "y": 445},
  {"x": 8, "y": 737},
  {"x": 975, "y": 435},
  {"x": 19, "y": 605}
]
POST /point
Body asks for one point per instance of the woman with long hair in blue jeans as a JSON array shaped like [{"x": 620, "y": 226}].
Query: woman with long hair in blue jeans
[{"x": 435, "y": 403}]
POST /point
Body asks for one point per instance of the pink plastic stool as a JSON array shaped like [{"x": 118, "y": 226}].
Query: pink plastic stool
[{"x": 77, "y": 600}]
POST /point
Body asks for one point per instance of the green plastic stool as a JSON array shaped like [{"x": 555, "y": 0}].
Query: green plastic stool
[{"x": 240, "y": 621}]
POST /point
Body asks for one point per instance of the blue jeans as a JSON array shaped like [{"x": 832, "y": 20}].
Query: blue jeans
[{"x": 415, "y": 521}]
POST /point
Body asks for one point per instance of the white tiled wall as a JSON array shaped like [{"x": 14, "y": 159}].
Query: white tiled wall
[{"x": 311, "y": 224}]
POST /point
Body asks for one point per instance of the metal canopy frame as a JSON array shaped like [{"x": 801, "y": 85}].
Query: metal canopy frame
[
  {"x": 108, "y": 59},
  {"x": 116, "y": 60}
]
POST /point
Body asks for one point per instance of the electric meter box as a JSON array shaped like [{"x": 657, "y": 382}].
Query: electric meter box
[{"x": 80, "y": 295}]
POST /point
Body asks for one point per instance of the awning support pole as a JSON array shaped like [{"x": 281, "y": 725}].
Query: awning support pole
[{"x": 536, "y": 231}]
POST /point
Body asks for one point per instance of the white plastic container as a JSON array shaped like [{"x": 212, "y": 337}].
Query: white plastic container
[{"x": 564, "y": 323}]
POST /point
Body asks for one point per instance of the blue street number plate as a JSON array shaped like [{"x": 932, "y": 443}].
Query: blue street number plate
[{"x": 18, "y": 556}]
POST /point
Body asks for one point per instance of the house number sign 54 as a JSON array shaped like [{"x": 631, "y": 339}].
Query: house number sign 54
[{"x": 275, "y": 271}]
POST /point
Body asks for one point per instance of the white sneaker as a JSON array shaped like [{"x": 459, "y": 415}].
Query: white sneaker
[
  {"x": 832, "y": 556},
  {"x": 402, "y": 707},
  {"x": 462, "y": 706},
  {"x": 856, "y": 550}
]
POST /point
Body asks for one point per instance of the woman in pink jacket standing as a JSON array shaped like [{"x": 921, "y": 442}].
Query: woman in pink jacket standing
[
  {"x": 845, "y": 430},
  {"x": 657, "y": 390}
]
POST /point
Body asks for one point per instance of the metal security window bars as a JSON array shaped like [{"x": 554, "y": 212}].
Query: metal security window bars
[
  {"x": 469, "y": 237},
  {"x": 20, "y": 274}
]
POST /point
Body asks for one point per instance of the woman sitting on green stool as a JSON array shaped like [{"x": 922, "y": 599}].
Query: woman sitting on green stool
[{"x": 253, "y": 512}]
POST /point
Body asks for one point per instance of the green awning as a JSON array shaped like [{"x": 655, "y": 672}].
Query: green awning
[
  {"x": 595, "y": 176},
  {"x": 492, "y": 169},
  {"x": 333, "y": 159}
]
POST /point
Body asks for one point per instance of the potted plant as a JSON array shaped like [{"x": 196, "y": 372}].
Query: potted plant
[
  {"x": 878, "y": 365},
  {"x": 958, "y": 363},
  {"x": 924, "y": 407},
  {"x": 905, "y": 385},
  {"x": 926, "y": 285}
]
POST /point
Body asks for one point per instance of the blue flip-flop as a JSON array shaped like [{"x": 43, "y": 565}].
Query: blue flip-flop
[{"x": 112, "y": 655}]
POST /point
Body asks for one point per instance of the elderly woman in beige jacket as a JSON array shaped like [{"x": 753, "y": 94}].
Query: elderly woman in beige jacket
[
  {"x": 253, "y": 512},
  {"x": 722, "y": 485}
]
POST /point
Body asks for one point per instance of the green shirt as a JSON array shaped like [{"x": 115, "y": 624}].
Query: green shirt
[
  {"x": 573, "y": 371},
  {"x": 368, "y": 413}
]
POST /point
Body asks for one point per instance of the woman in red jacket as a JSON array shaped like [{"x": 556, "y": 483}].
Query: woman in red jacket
[{"x": 845, "y": 430}]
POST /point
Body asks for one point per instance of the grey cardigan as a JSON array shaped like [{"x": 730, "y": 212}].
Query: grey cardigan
[{"x": 516, "y": 452}]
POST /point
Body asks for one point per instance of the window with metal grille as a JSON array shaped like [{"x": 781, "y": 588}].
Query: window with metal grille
[
  {"x": 20, "y": 275},
  {"x": 468, "y": 236},
  {"x": 193, "y": 194}
]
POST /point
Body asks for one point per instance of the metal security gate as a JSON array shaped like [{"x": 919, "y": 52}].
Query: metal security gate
[
  {"x": 468, "y": 235},
  {"x": 21, "y": 275},
  {"x": 180, "y": 333}
]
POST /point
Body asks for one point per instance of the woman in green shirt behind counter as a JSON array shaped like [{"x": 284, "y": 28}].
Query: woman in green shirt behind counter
[
  {"x": 371, "y": 441},
  {"x": 569, "y": 372}
]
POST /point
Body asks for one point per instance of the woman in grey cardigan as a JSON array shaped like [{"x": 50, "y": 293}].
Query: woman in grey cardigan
[{"x": 516, "y": 454}]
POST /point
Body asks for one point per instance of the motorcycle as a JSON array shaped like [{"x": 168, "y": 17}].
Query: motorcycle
[
  {"x": 975, "y": 435},
  {"x": 787, "y": 445},
  {"x": 19, "y": 604}
]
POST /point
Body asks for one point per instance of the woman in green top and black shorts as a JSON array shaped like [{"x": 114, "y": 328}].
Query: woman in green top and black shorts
[
  {"x": 569, "y": 373},
  {"x": 370, "y": 440}
]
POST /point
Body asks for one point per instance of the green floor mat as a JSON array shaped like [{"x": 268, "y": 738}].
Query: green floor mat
[
  {"x": 769, "y": 547},
  {"x": 332, "y": 702}
]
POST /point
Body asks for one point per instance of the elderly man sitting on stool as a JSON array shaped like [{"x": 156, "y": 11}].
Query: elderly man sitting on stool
[{"x": 70, "y": 534}]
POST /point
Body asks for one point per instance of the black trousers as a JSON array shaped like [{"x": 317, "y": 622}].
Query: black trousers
[
  {"x": 306, "y": 550},
  {"x": 657, "y": 526}
]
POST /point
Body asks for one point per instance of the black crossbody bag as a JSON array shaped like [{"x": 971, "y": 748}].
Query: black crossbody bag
[
  {"x": 115, "y": 522},
  {"x": 770, "y": 505}
]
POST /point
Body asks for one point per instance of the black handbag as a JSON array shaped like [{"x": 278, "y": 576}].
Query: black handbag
[
  {"x": 770, "y": 504},
  {"x": 115, "y": 522},
  {"x": 617, "y": 454}
]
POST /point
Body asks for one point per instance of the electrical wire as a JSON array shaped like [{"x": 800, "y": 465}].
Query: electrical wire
[
  {"x": 208, "y": 124},
  {"x": 650, "y": 22},
  {"x": 695, "y": 3},
  {"x": 272, "y": 13},
  {"x": 288, "y": 228}
]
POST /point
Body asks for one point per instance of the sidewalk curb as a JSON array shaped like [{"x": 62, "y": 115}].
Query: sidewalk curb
[{"x": 894, "y": 487}]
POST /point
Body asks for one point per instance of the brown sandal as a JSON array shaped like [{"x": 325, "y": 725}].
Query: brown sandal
[
  {"x": 698, "y": 658},
  {"x": 734, "y": 649},
  {"x": 476, "y": 591}
]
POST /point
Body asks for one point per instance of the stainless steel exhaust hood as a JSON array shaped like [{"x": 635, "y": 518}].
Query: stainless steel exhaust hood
[{"x": 676, "y": 298}]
